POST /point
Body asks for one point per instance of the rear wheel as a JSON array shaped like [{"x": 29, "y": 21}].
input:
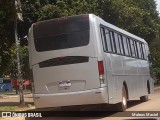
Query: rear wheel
[
  {"x": 145, "y": 97},
  {"x": 122, "y": 106}
]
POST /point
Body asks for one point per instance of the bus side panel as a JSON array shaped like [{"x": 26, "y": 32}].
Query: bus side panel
[
  {"x": 114, "y": 70},
  {"x": 131, "y": 78},
  {"x": 109, "y": 77},
  {"x": 136, "y": 83}
]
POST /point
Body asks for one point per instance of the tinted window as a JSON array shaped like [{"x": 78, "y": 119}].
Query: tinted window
[
  {"x": 61, "y": 33},
  {"x": 121, "y": 44},
  {"x": 117, "y": 43},
  {"x": 128, "y": 46},
  {"x": 132, "y": 47},
  {"x": 141, "y": 49},
  {"x": 144, "y": 51},
  {"x": 112, "y": 41},
  {"x": 125, "y": 46},
  {"x": 136, "y": 49},
  {"x": 108, "y": 40},
  {"x": 103, "y": 39}
]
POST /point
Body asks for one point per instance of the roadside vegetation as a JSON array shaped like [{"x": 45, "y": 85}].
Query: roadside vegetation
[
  {"x": 157, "y": 84},
  {"x": 139, "y": 17}
]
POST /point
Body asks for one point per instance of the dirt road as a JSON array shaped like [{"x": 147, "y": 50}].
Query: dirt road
[
  {"x": 135, "y": 105},
  {"x": 101, "y": 112},
  {"x": 152, "y": 106}
]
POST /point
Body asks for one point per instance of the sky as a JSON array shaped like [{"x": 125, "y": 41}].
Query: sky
[{"x": 158, "y": 5}]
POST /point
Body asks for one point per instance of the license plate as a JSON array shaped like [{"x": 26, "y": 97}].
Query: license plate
[{"x": 65, "y": 84}]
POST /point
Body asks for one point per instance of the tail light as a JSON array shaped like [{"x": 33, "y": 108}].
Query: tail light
[
  {"x": 101, "y": 71},
  {"x": 32, "y": 81}
]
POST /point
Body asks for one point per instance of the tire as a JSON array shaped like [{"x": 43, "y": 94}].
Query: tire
[
  {"x": 144, "y": 98},
  {"x": 122, "y": 106}
]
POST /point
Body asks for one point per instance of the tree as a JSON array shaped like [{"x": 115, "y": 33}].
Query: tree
[
  {"x": 142, "y": 21},
  {"x": 6, "y": 33},
  {"x": 139, "y": 17},
  {"x": 24, "y": 62},
  {"x": 67, "y": 8}
]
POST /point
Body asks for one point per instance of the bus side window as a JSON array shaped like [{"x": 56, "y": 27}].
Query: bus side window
[
  {"x": 117, "y": 43},
  {"x": 103, "y": 39},
  {"x": 141, "y": 49},
  {"x": 132, "y": 48},
  {"x": 129, "y": 46},
  {"x": 136, "y": 49},
  {"x": 125, "y": 46},
  {"x": 111, "y": 33},
  {"x": 144, "y": 51},
  {"x": 108, "y": 40},
  {"x": 120, "y": 40}
]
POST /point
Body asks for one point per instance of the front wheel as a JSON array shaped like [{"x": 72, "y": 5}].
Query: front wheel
[{"x": 122, "y": 106}]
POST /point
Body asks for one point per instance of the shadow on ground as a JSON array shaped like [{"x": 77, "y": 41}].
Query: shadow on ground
[
  {"x": 83, "y": 113},
  {"x": 133, "y": 103},
  {"x": 75, "y": 112},
  {"x": 144, "y": 119}
]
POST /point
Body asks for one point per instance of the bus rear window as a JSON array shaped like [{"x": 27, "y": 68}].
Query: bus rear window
[{"x": 61, "y": 33}]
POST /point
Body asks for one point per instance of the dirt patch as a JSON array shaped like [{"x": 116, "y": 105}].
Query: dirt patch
[
  {"x": 10, "y": 102},
  {"x": 16, "y": 118}
]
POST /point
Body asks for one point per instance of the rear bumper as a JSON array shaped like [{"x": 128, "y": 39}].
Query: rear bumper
[{"x": 94, "y": 96}]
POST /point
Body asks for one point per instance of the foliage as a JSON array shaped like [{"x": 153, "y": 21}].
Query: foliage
[
  {"x": 133, "y": 16},
  {"x": 7, "y": 35},
  {"x": 67, "y": 8},
  {"x": 136, "y": 16},
  {"x": 155, "y": 48},
  {"x": 24, "y": 62}
]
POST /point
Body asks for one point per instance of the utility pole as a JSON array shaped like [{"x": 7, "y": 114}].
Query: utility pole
[{"x": 17, "y": 41}]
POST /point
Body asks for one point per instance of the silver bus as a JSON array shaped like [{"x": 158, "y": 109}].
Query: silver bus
[{"x": 83, "y": 60}]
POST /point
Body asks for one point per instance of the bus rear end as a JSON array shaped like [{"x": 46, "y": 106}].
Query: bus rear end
[{"x": 65, "y": 63}]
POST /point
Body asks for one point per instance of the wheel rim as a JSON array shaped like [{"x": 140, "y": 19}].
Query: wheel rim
[
  {"x": 124, "y": 101},
  {"x": 124, "y": 98}
]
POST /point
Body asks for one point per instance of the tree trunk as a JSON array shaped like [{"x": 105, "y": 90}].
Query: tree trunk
[{"x": 21, "y": 96}]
